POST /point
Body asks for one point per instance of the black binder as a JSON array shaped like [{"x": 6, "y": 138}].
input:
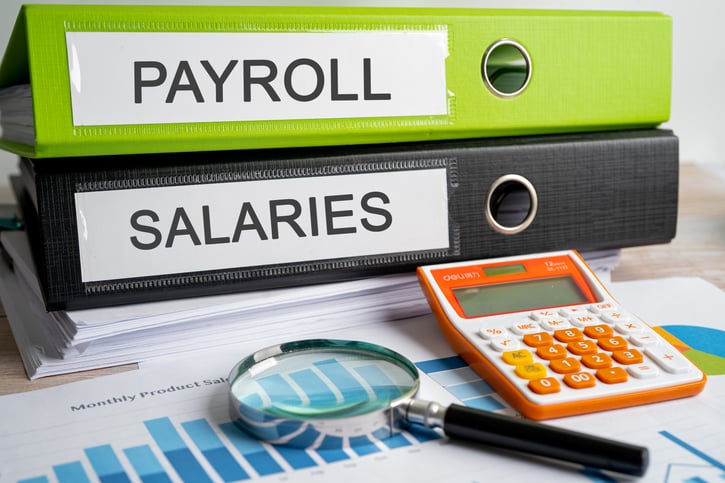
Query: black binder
[{"x": 199, "y": 223}]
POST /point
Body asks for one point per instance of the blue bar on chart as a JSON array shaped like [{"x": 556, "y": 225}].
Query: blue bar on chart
[
  {"x": 260, "y": 458},
  {"x": 214, "y": 451},
  {"x": 319, "y": 394},
  {"x": 396, "y": 441},
  {"x": 423, "y": 434},
  {"x": 384, "y": 387},
  {"x": 454, "y": 374},
  {"x": 252, "y": 450},
  {"x": 175, "y": 450},
  {"x": 71, "y": 473},
  {"x": 363, "y": 446},
  {"x": 106, "y": 464},
  {"x": 146, "y": 464},
  {"x": 279, "y": 390},
  {"x": 297, "y": 458},
  {"x": 331, "y": 449},
  {"x": 350, "y": 388}
]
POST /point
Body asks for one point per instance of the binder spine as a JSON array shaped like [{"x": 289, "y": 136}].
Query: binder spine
[
  {"x": 594, "y": 191},
  {"x": 111, "y": 80}
]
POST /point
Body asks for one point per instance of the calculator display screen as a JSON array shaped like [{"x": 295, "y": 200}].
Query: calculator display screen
[{"x": 500, "y": 298}]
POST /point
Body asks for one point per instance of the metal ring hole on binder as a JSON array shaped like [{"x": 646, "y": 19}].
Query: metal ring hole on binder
[
  {"x": 506, "y": 68},
  {"x": 511, "y": 204}
]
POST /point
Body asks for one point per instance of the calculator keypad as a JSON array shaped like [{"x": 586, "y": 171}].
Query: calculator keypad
[{"x": 582, "y": 348}]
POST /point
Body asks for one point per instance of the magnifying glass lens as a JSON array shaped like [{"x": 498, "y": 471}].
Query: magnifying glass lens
[
  {"x": 303, "y": 392},
  {"x": 332, "y": 382}
]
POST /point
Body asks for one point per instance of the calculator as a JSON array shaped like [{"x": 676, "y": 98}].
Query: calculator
[{"x": 546, "y": 334}]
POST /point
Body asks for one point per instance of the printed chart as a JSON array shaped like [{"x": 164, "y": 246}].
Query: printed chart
[
  {"x": 170, "y": 423},
  {"x": 203, "y": 451},
  {"x": 206, "y": 450}
]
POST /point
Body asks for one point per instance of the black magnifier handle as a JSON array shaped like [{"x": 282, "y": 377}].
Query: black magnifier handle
[{"x": 530, "y": 437}]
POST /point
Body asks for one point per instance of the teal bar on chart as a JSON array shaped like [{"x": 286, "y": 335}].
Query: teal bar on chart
[
  {"x": 146, "y": 465},
  {"x": 175, "y": 450},
  {"x": 251, "y": 450},
  {"x": 72, "y": 472},
  {"x": 106, "y": 464},
  {"x": 211, "y": 446}
]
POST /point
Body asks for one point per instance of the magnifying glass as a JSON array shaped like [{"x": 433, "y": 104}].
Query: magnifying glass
[{"x": 324, "y": 393}]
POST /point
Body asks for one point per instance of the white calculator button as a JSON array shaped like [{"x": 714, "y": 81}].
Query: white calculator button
[
  {"x": 668, "y": 358},
  {"x": 491, "y": 332},
  {"x": 502, "y": 344},
  {"x": 584, "y": 320},
  {"x": 614, "y": 316},
  {"x": 554, "y": 323},
  {"x": 524, "y": 327},
  {"x": 643, "y": 338},
  {"x": 543, "y": 314},
  {"x": 572, "y": 311},
  {"x": 629, "y": 327},
  {"x": 643, "y": 371},
  {"x": 598, "y": 308}
]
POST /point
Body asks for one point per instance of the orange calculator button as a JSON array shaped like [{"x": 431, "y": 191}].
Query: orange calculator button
[
  {"x": 612, "y": 343},
  {"x": 535, "y": 370},
  {"x": 551, "y": 352},
  {"x": 613, "y": 375},
  {"x": 545, "y": 385},
  {"x": 599, "y": 360},
  {"x": 582, "y": 347},
  {"x": 516, "y": 358},
  {"x": 598, "y": 331},
  {"x": 580, "y": 380},
  {"x": 628, "y": 356},
  {"x": 538, "y": 339},
  {"x": 568, "y": 335},
  {"x": 565, "y": 366}
]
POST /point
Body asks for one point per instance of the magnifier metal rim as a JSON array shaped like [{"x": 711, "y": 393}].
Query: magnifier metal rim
[{"x": 385, "y": 421}]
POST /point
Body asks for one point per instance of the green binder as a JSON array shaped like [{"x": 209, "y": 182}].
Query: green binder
[{"x": 91, "y": 80}]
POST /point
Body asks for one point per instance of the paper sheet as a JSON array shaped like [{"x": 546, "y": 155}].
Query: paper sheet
[{"x": 67, "y": 341}]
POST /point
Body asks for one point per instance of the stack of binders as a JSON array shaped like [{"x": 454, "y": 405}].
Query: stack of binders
[{"x": 171, "y": 152}]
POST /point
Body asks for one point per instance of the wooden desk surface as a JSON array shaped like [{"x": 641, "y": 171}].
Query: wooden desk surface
[{"x": 697, "y": 250}]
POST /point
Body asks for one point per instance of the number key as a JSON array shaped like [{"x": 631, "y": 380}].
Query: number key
[
  {"x": 538, "y": 339},
  {"x": 598, "y": 331},
  {"x": 580, "y": 380},
  {"x": 568, "y": 335},
  {"x": 612, "y": 343},
  {"x": 581, "y": 347},
  {"x": 551, "y": 352},
  {"x": 628, "y": 356},
  {"x": 545, "y": 385},
  {"x": 565, "y": 366},
  {"x": 597, "y": 361}
]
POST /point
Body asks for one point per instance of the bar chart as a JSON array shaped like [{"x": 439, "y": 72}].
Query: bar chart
[
  {"x": 231, "y": 454},
  {"x": 193, "y": 439},
  {"x": 204, "y": 449}
]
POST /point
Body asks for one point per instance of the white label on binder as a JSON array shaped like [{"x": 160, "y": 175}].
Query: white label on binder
[
  {"x": 177, "y": 77},
  {"x": 176, "y": 229}
]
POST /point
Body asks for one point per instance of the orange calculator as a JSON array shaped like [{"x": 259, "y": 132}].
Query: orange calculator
[{"x": 547, "y": 335}]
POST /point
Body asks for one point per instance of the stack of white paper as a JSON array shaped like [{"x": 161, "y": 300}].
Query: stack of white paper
[{"x": 66, "y": 341}]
